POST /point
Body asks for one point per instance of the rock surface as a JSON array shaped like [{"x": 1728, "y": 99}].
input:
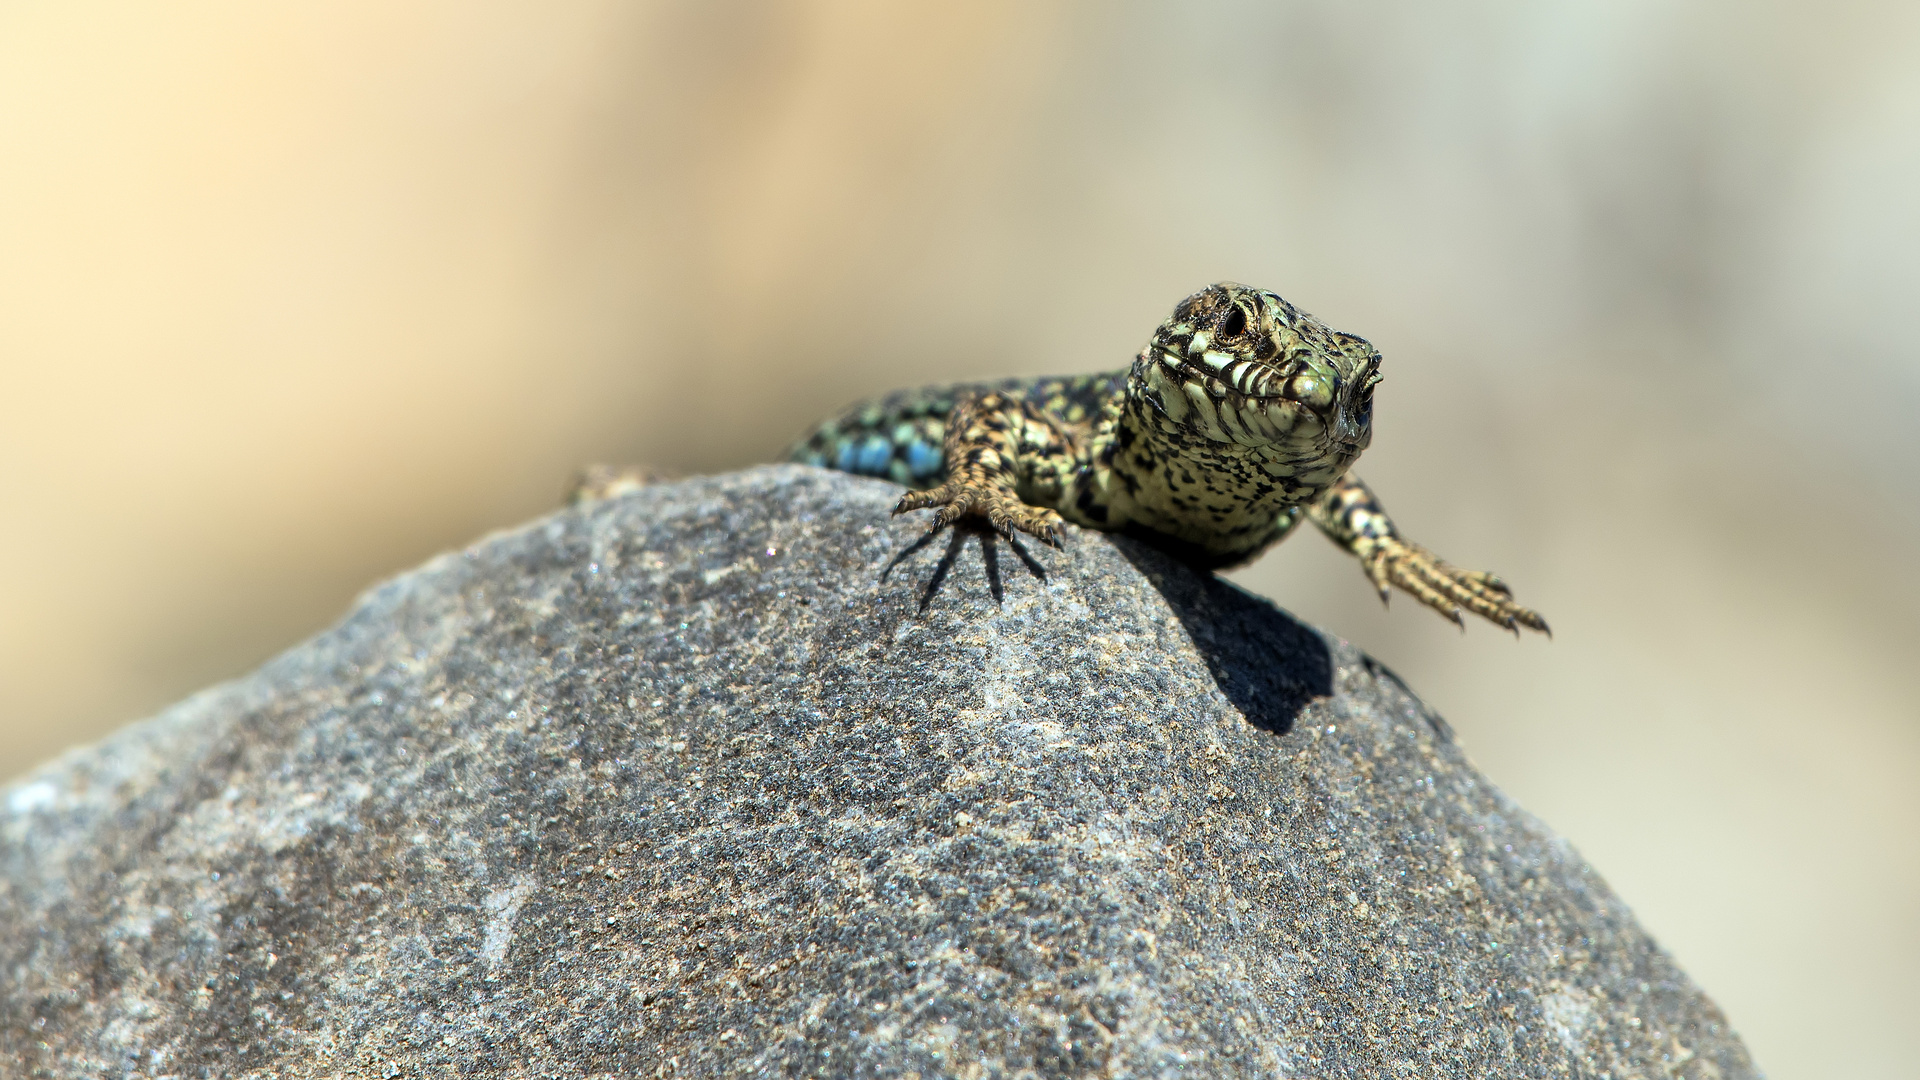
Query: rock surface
[{"x": 678, "y": 785}]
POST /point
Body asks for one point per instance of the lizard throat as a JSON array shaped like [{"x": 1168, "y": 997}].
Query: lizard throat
[{"x": 1226, "y": 498}]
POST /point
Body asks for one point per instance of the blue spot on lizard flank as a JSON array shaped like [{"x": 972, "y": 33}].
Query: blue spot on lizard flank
[
  {"x": 844, "y": 460},
  {"x": 874, "y": 455},
  {"x": 922, "y": 460}
]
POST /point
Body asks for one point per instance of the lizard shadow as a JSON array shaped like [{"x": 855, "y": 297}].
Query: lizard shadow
[
  {"x": 957, "y": 534},
  {"x": 1267, "y": 663}
]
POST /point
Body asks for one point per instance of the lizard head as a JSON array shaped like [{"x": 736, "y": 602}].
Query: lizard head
[{"x": 1241, "y": 365}]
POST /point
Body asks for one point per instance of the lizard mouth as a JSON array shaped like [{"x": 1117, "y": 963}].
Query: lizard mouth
[
  {"x": 1253, "y": 404},
  {"x": 1307, "y": 406}
]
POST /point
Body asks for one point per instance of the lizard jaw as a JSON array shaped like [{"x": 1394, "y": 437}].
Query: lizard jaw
[{"x": 1293, "y": 410}]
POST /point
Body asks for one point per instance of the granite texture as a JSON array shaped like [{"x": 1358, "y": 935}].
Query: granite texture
[{"x": 679, "y": 784}]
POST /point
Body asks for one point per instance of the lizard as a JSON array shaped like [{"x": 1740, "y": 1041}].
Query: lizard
[{"x": 1241, "y": 416}]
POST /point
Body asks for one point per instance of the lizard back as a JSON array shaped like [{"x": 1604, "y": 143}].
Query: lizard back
[{"x": 899, "y": 436}]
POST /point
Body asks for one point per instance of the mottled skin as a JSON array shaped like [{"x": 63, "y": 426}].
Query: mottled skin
[{"x": 1241, "y": 416}]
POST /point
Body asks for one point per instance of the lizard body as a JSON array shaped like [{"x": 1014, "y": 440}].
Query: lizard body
[{"x": 1242, "y": 415}]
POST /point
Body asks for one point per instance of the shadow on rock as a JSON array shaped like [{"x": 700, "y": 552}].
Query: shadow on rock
[
  {"x": 957, "y": 535},
  {"x": 1266, "y": 663}
]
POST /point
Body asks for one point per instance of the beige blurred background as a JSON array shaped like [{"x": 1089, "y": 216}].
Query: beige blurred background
[{"x": 294, "y": 295}]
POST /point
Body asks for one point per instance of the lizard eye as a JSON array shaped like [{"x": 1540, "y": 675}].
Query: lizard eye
[{"x": 1235, "y": 323}]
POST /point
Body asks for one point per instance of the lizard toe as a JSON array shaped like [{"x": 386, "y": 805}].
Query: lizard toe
[{"x": 1447, "y": 588}]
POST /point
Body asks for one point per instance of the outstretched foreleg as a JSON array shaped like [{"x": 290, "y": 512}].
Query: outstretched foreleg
[{"x": 1354, "y": 519}]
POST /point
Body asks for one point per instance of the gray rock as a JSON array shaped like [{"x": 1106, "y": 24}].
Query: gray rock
[{"x": 679, "y": 785}]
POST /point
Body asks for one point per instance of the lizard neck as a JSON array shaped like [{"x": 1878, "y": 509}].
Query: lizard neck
[{"x": 1218, "y": 502}]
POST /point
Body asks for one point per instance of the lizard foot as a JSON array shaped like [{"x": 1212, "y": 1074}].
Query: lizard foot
[
  {"x": 1001, "y": 508},
  {"x": 597, "y": 482},
  {"x": 1447, "y": 588}
]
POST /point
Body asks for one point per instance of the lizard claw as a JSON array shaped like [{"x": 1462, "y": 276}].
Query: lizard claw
[
  {"x": 1447, "y": 588},
  {"x": 941, "y": 496},
  {"x": 1003, "y": 511}
]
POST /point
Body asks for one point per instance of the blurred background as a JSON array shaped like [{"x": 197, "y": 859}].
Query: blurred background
[{"x": 293, "y": 296}]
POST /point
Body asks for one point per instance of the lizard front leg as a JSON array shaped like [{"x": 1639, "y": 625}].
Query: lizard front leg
[
  {"x": 1354, "y": 519},
  {"x": 997, "y": 447}
]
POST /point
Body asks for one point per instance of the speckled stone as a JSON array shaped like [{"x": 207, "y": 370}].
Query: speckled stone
[{"x": 678, "y": 785}]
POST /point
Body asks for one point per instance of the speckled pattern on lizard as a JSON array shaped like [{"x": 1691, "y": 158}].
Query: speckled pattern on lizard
[{"x": 1241, "y": 416}]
